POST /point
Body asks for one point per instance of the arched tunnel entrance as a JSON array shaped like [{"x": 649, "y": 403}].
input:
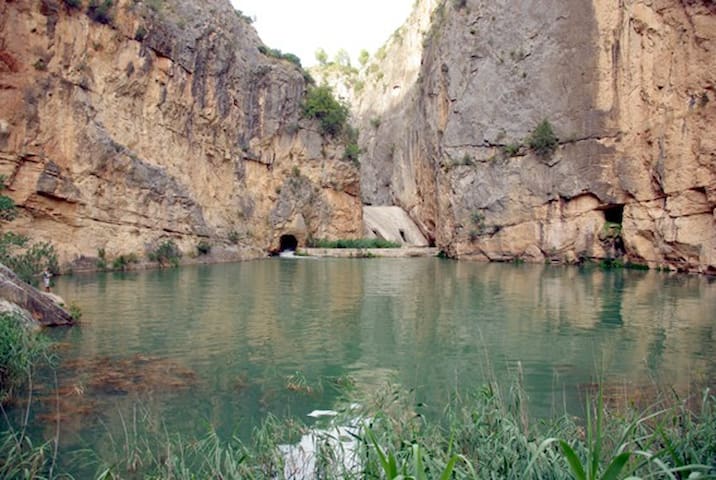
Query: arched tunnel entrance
[{"x": 287, "y": 242}]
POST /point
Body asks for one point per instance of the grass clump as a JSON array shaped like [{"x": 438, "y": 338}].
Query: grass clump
[
  {"x": 543, "y": 139},
  {"x": 166, "y": 254},
  {"x": 352, "y": 243},
  {"x": 20, "y": 350}
]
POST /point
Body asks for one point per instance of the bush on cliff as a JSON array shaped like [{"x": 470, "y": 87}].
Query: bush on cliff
[
  {"x": 543, "y": 140},
  {"x": 321, "y": 105},
  {"x": 167, "y": 253},
  {"x": 100, "y": 11}
]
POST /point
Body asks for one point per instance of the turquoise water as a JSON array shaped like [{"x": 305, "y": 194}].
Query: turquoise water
[{"x": 224, "y": 345}]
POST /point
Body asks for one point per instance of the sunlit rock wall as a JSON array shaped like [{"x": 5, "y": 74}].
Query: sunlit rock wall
[{"x": 162, "y": 123}]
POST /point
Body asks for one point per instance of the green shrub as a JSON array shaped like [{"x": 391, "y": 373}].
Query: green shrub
[
  {"x": 203, "y": 247},
  {"x": 234, "y": 237},
  {"x": 73, "y": 3},
  {"x": 25, "y": 259},
  {"x": 543, "y": 140},
  {"x": 167, "y": 253},
  {"x": 123, "y": 261},
  {"x": 352, "y": 243},
  {"x": 100, "y": 12},
  {"x": 75, "y": 311},
  {"x": 352, "y": 153},
  {"x": 140, "y": 34},
  {"x": 321, "y": 105},
  {"x": 101, "y": 259},
  {"x": 20, "y": 350},
  {"x": 8, "y": 210},
  {"x": 40, "y": 65},
  {"x": 276, "y": 53}
]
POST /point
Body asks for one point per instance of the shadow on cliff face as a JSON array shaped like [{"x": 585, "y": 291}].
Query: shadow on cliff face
[{"x": 487, "y": 79}]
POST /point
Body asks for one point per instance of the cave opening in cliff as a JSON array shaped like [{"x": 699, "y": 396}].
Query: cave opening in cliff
[
  {"x": 614, "y": 213},
  {"x": 288, "y": 243}
]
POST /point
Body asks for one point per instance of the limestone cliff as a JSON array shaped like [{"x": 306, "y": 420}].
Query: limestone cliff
[
  {"x": 127, "y": 123},
  {"x": 628, "y": 89}
]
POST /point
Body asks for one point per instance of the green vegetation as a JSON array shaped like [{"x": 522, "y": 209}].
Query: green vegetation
[
  {"x": 25, "y": 259},
  {"x": 203, "y": 247},
  {"x": 123, "y": 261},
  {"x": 233, "y": 237},
  {"x": 20, "y": 349},
  {"x": 321, "y": 56},
  {"x": 611, "y": 231},
  {"x": 511, "y": 149},
  {"x": 40, "y": 65},
  {"x": 244, "y": 17},
  {"x": 73, "y": 3},
  {"x": 140, "y": 34},
  {"x": 320, "y": 104},
  {"x": 363, "y": 57},
  {"x": 167, "y": 253},
  {"x": 276, "y": 53},
  {"x": 100, "y": 11},
  {"x": 479, "y": 226},
  {"x": 101, "y": 262},
  {"x": 353, "y": 243},
  {"x": 485, "y": 434},
  {"x": 352, "y": 150},
  {"x": 543, "y": 140}
]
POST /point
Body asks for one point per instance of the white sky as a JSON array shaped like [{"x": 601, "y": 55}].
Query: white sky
[{"x": 302, "y": 26}]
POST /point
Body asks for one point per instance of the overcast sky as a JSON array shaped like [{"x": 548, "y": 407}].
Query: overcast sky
[{"x": 302, "y": 26}]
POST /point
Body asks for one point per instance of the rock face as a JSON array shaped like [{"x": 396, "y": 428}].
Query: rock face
[
  {"x": 628, "y": 90},
  {"x": 160, "y": 120}
]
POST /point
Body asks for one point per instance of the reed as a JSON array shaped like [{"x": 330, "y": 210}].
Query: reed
[{"x": 486, "y": 434}]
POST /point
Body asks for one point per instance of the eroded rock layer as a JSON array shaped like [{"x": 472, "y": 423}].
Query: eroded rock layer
[
  {"x": 627, "y": 88},
  {"x": 124, "y": 127}
]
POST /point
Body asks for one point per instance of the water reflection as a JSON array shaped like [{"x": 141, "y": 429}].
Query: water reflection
[{"x": 276, "y": 335}]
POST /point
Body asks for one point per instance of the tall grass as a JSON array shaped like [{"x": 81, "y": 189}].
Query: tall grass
[
  {"x": 484, "y": 435},
  {"x": 20, "y": 349}
]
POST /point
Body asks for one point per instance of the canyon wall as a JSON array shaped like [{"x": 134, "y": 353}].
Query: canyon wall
[
  {"x": 124, "y": 127},
  {"x": 626, "y": 87}
]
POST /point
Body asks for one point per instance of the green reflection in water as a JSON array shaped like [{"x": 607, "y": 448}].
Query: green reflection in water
[{"x": 226, "y": 344}]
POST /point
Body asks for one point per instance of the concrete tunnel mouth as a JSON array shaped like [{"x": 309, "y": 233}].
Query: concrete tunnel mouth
[{"x": 287, "y": 243}]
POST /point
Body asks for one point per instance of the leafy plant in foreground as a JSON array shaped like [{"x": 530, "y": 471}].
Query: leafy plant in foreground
[{"x": 20, "y": 349}]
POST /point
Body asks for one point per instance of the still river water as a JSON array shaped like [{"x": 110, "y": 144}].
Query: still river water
[{"x": 224, "y": 345}]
